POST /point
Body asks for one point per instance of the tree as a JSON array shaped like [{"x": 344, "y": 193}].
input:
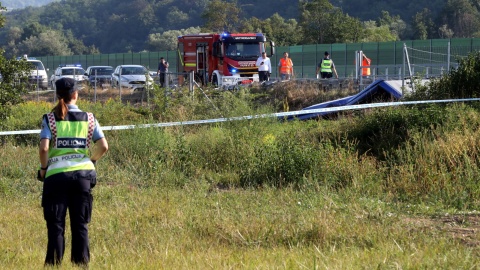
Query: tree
[
  {"x": 395, "y": 24},
  {"x": 422, "y": 25},
  {"x": 445, "y": 32},
  {"x": 50, "y": 42},
  {"x": 168, "y": 40},
  {"x": 2, "y": 18},
  {"x": 374, "y": 33},
  {"x": 221, "y": 16},
  {"x": 321, "y": 22},
  {"x": 315, "y": 20},
  {"x": 344, "y": 29},
  {"x": 12, "y": 83},
  {"x": 32, "y": 30},
  {"x": 177, "y": 18},
  {"x": 284, "y": 33},
  {"x": 462, "y": 17}
]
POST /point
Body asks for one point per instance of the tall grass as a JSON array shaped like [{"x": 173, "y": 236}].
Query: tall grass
[{"x": 360, "y": 192}]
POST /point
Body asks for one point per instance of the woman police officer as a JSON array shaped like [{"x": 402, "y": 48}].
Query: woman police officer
[{"x": 68, "y": 172}]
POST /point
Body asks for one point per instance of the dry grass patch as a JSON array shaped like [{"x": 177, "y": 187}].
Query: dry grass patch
[{"x": 462, "y": 228}]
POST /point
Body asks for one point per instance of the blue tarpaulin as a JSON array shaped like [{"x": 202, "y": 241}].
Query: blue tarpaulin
[{"x": 378, "y": 91}]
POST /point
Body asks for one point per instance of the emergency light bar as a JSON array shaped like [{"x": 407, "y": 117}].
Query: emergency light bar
[
  {"x": 70, "y": 65},
  {"x": 26, "y": 58}
]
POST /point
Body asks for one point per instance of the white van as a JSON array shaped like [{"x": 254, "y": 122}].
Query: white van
[{"x": 38, "y": 73}]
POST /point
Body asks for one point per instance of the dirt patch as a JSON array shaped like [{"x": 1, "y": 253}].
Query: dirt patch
[{"x": 463, "y": 228}]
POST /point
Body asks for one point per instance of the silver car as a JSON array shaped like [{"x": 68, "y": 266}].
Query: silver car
[
  {"x": 135, "y": 77},
  {"x": 100, "y": 76}
]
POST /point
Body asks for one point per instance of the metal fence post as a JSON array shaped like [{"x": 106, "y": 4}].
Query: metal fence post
[
  {"x": 119, "y": 82},
  {"x": 190, "y": 81},
  {"x": 95, "y": 88}
]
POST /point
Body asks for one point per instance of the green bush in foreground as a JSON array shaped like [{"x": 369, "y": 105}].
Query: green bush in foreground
[{"x": 425, "y": 153}]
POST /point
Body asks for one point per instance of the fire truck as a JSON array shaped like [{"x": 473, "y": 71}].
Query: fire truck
[{"x": 225, "y": 60}]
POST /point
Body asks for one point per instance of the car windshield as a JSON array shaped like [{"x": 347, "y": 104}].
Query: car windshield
[
  {"x": 73, "y": 71},
  {"x": 134, "y": 71},
  {"x": 101, "y": 71},
  {"x": 37, "y": 65}
]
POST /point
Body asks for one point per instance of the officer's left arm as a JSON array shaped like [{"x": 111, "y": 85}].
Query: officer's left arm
[
  {"x": 101, "y": 144},
  {"x": 334, "y": 70},
  {"x": 99, "y": 149}
]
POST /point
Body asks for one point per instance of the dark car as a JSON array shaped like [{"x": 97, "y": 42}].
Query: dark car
[{"x": 101, "y": 76}]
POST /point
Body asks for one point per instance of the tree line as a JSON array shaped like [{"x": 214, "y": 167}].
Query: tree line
[{"x": 72, "y": 27}]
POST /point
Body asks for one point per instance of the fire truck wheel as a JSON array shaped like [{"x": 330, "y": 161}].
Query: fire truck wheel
[{"x": 215, "y": 81}]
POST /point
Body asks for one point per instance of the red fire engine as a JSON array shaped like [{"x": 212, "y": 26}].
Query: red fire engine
[{"x": 225, "y": 59}]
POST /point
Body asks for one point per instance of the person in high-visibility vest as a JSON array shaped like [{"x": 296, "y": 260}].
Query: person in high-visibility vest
[
  {"x": 326, "y": 66},
  {"x": 67, "y": 170},
  {"x": 366, "y": 65},
  {"x": 285, "y": 67}
]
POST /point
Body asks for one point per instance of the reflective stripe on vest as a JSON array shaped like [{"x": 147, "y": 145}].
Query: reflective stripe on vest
[
  {"x": 326, "y": 65},
  {"x": 285, "y": 66},
  {"x": 70, "y": 142}
]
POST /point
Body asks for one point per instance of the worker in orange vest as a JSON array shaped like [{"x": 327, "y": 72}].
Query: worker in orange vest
[
  {"x": 365, "y": 65},
  {"x": 285, "y": 67}
]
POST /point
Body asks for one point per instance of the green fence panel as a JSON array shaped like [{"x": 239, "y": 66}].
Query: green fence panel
[
  {"x": 460, "y": 47},
  {"x": 339, "y": 57},
  {"x": 385, "y": 54},
  {"x": 309, "y": 61}
]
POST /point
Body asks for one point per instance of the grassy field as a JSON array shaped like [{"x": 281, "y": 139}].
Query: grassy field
[{"x": 383, "y": 189}]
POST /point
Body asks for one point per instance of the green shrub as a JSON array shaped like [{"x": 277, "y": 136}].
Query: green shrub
[
  {"x": 384, "y": 130},
  {"x": 461, "y": 82}
]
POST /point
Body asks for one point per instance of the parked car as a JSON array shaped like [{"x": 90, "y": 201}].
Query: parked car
[
  {"x": 75, "y": 72},
  {"x": 134, "y": 77},
  {"x": 100, "y": 76},
  {"x": 38, "y": 72}
]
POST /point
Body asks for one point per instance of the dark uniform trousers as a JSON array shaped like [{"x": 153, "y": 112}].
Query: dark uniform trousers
[
  {"x": 70, "y": 191},
  {"x": 263, "y": 76}
]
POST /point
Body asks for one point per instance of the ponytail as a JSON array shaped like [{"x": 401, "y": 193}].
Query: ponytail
[
  {"x": 65, "y": 88},
  {"x": 61, "y": 109}
]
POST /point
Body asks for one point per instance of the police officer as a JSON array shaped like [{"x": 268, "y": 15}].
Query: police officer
[
  {"x": 326, "y": 66},
  {"x": 68, "y": 172}
]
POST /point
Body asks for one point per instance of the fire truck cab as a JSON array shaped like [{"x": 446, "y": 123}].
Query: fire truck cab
[{"x": 224, "y": 60}]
